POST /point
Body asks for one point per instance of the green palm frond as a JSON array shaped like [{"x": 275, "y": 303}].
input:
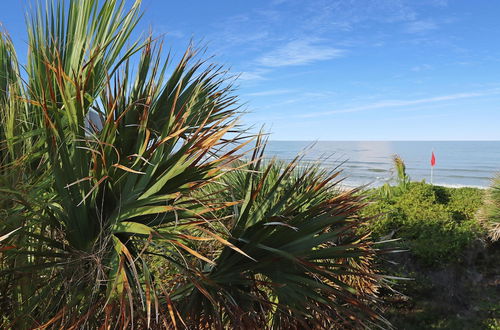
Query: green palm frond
[
  {"x": 126, "y": 199},
  {"x": 304, "y": 263}
]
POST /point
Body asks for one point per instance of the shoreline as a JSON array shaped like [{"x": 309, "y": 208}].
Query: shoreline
[{"x": 377, "y": 185}]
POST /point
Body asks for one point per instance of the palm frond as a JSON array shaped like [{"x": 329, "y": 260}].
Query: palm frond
[
  {"x": 304, "y": 263},
  {"x": 128, "y": 201}
]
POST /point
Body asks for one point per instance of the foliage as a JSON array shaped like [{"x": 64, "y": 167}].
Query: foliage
[
  {"x": 125, "y": 200},
  {"x": 402, "y": 180},
  {"x": 491, "y": 210},
  {"x": 452, "y": 271},
  {"x": 457, "y": 295},
  {"x": 300, "y": 230},
  {"x": 437, "y": 224}
]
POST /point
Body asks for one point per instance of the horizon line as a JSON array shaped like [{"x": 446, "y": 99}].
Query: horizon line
[{"x": 318, "y": 140}]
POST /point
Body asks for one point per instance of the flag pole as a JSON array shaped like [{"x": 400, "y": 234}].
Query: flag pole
[
  {"x": 432, "y": 173},
  {"x": 433, "y": 162}
]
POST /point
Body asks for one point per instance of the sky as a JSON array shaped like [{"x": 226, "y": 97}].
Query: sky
[{"x": 342, "y": 69}]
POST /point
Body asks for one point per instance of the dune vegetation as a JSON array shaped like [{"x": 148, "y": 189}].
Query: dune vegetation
[
  {"x": 491, "y": 211},
  {"x": 131, "y": 196},
  {"x": 450, "y": 260}
]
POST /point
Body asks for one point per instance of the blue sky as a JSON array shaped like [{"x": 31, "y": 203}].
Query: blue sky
[{"x": 344, "y": 70}]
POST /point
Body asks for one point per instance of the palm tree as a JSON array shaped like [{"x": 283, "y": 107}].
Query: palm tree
[{"x": 128, "y": 201}]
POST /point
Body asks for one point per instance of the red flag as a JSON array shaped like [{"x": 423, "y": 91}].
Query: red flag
[{"x": 433, "y": 159}]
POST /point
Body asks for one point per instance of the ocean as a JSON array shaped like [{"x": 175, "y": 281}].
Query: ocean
[{"x": 458, "y": 163}]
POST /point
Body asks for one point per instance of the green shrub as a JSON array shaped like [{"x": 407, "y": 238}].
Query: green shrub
[
  {"x": 435, "y": 223},
  {"x": 465, "y": 201}
]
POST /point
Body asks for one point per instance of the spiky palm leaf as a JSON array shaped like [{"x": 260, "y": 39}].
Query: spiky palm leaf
[
  {"x": 126, "y": 204},
  {"x": 122, "y": 179},
  {"x": 306, "y": 265}
]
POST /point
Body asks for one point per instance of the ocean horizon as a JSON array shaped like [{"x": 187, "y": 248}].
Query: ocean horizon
[{"x": 458, "y": 163}]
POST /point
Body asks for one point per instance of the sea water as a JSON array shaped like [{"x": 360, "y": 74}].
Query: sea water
[{"x": 458, "y": 163}]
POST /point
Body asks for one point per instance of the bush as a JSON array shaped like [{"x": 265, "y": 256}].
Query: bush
[{"x": 437, "y": 224}]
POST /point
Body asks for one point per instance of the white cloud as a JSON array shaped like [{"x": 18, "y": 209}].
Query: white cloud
[
  {"x": 404, "y": 103},
  {"x": 440, "y": 3},
  {"x": 175, "y": 34},
  {"x": 271, "y": 92},
  {"x": 423, "y": 67},
  {"x": 421, "y": 26},
  {"x": 251, "y": 75},
  {"x": 419, "y": 117},
  {"x": 299, "y": 52},
  {"x": 169, "y": 32}
]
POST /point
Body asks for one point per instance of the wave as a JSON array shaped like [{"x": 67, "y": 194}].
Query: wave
[
  {"x": 456, "y": 185},
  {"x": 374, "y": 184},
  {"x": 377, "y": 170}
]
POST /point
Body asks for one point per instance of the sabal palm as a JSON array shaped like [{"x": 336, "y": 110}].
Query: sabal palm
[{"x": 120, "y": 201}]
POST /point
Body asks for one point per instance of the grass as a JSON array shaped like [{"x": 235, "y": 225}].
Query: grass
[{"x": 491, "y": 211}]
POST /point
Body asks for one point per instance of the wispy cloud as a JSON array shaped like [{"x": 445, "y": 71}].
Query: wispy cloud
[
  {"x": 422, "y": 67},
  {"x": 277, "y": 2},
  {"x": 176, "y": 34},
  {"x": 299, "y": 52},
  {"x": 439, "y": 3},
  {"x": 406, "y": 118},
  {"x": 421, "y": 26},
  {"x": 272, "y": 92},
  {"x": 404, "y": 103},
  {"x": 169, "y": 32},
  {"x": 252, "y": 75}
]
